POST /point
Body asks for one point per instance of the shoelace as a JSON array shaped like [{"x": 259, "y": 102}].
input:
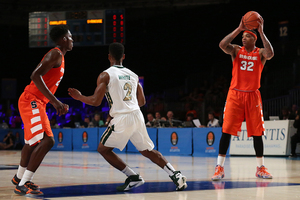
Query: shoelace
[
  {"x": 218, "y": 170},
  {"x": 263, "y": 170}
]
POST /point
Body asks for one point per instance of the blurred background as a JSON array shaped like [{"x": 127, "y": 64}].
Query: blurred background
[{"x": 171, "y": 44}]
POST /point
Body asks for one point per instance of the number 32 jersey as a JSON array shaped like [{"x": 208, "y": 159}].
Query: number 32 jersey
[
  {"x": 121, "y": 90},
  {"x": 246, "y": 71}
]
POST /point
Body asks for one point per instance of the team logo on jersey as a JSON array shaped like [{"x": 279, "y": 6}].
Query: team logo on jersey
[
  {"x": 60, "y": 137},
  {"x": 174, "y": 138},
  {"x": 210, "y": 138},
  {"x": 84, "y": 137},
  {"x": 33, "y": 104}
]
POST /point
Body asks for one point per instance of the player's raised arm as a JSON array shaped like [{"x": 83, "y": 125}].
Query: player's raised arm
[
  {"x": 96, "y": 98},
  {"x": 267, "y": 52},
  {"x": 225, "y": 43}
]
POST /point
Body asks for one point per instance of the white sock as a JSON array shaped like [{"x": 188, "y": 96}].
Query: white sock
[
  {"x": 20, "y": 172},
  {"x": 169, "y": 169},
  {"x": 128, "y": 171},
  {"x": 260, "y": 161},
  {"x": 27, "y": 176},
  {"x": 221, "y": 161}
]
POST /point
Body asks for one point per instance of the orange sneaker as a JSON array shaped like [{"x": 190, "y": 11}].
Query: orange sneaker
[
  {"x": 261, "y": 172},
  {"x": 219, "y": 173}
]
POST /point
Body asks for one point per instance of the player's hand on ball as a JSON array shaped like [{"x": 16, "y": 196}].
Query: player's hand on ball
[{"x": 74, "y": 93}]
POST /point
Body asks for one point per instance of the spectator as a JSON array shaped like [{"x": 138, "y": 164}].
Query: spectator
[
  {"x": 189, "y": 121},
  {"x": 151, "y": 120},
  {"x": 8, "y": 141},
  {"x": 190, "y": 110},
  {"x": 157, "y": 116},
  {"x": 213, "y": 122},
  {"x": 70, "y": 123},
  {"x": 87, "y": 123},
  {"x": 97, "y": 122},
  {"x": 294, "y": 111},
  {"x": 285, "y": 113},
  {"x": 295, "y": 138},
  {"x": 53, "y": 122}
]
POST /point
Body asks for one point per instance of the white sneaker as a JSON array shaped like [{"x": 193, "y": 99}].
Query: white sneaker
[
  {"x": 179, "y": 180},
  {"x": 131, "y": 182}
]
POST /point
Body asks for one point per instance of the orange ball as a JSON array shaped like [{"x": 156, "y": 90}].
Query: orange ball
[{"x": 250, "y": 20}]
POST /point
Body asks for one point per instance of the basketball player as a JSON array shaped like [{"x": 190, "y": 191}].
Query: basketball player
[
  {"x": 125, "y": 96},
  {"x": 243, "y": 98},
  {"x": 32, "y": 105}
]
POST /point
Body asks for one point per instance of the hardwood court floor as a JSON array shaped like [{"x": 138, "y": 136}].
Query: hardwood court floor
[{"x": 86, "y": 175}]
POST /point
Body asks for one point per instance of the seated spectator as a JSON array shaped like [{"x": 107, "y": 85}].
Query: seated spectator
[
  {"x": 97, "y": 121},
  {"x": 87, "y": 123},
  {"x": 190, "y": 110},
  {"x": 157, "y": 116},
  {"x": 8, "y": 141},
  {"x": 295, "y": 138},
  {"x": 53, "y": 122},
  {"x": 70, "y": 123},
  {"x": 172, "y": 122},
  {"x": 189, "y": 121},
  {"x": 212, "y": 121},
  {"x": 285, "y": 113},
  {"x": 151, "y": 120}
]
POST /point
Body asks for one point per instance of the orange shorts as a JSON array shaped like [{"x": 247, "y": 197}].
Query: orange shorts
[
  {"x": 34, "y": 117},
  {"x": 240, "y": 106}
]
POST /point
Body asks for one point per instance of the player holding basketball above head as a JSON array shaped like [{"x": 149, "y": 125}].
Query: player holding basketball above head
[
  {"x": 125, "y": 96},
  {"x": 243, "y": 98},
  {"x": 32, "y": 105}
]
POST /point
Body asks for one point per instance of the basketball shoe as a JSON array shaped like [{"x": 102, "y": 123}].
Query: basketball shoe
[
  {"x": 179, "y": 180},
  {"x": 15, "y": 180},
  {"x": 261, "y": 172},
  {"x": 131, "y": 182},
  {"x": 25, "y": 190},
  {"x": 219, "y": 173}
]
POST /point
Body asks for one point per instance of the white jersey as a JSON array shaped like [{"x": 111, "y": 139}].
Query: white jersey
[{"x": 121, "y": 90}]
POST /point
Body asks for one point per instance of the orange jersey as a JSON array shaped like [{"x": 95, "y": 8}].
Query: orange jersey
[
  {"x": 246, "y": 70},
  {"x": 52, "y": 79}
]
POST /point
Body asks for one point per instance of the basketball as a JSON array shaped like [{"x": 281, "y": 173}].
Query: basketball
[{"x": 250, "y": 20}]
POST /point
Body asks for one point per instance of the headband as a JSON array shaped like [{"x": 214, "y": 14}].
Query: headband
[{"x": 251, "y": 33}]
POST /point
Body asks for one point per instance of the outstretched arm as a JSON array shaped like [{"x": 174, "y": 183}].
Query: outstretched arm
[
  {"x": 267, "y": 52},
  {"x": 225, "y": 43},
  {"x": 96, "y": 98}
]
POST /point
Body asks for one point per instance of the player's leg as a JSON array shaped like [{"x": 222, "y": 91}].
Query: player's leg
[
  {"x": 232, "y": 120},
  {"x": 141, "y": 140},
  {"x": 157, "y": 158},
  {"x": 38, "y": 139},
  {"x": 117, "y": 135},
  {"x": 255, "y": 128}
]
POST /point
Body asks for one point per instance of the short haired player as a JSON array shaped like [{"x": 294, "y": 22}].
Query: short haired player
[
  {"x": 243, "y": 98},
  {"x": 32, "y": 105},
  {"x": 125, "y": 96}
]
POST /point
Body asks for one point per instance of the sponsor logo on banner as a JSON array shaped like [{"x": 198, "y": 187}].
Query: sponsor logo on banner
[
  {"x": 174, "y": 138},
  {"x": 174, "y": 141},
  {"x": 210, "y": 138},
  {"x": 275, "y": 139},
  {"x": 60, "y": 137},
  {"x": 84, "y": 136},
  {"x": 85, "y": 139}
]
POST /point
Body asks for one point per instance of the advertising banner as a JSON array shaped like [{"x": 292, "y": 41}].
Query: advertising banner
[{"x": 175, "y": 141}]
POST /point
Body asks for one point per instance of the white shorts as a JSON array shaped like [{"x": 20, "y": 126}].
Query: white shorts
[{"x": 124, "y": 127}]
